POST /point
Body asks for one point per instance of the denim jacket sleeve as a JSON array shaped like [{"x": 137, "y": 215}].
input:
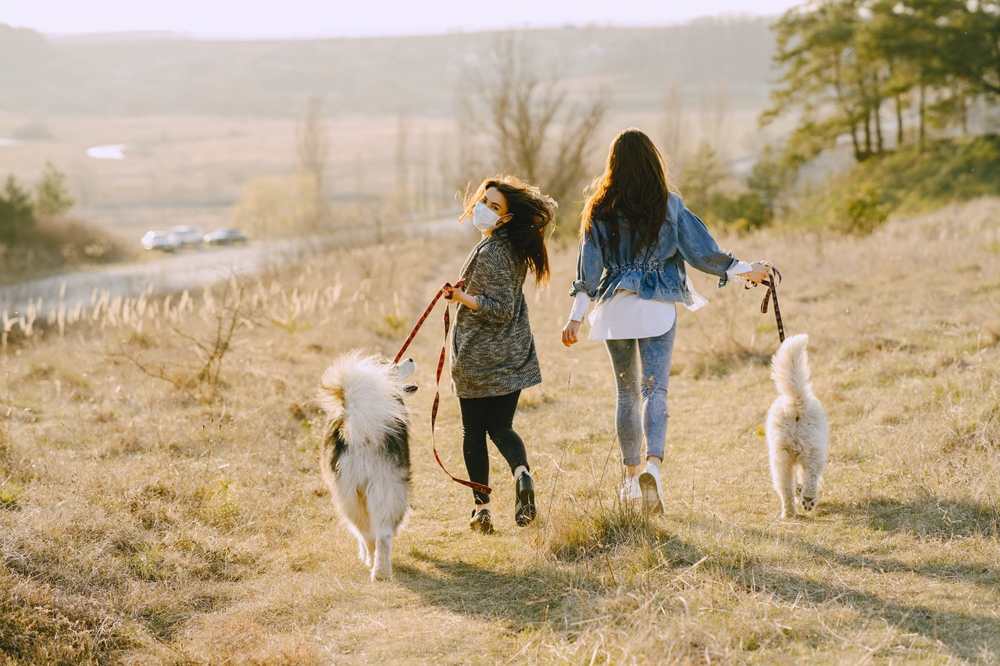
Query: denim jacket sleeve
[
  {"x": 699, "y": 248},
  {"x": 495, "y": 284},
  {"x": 589, "y": 267}
]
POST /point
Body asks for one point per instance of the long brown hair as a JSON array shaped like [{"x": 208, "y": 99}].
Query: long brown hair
[
  {"x": 531, "y": 212},
  {"x": 632, "y": 187}
]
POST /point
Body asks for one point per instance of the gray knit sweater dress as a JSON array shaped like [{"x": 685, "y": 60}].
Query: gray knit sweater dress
[{"x": 493, "y": 351}]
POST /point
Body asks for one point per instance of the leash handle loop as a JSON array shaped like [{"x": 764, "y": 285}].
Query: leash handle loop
[{"x": 772, "y": 282}]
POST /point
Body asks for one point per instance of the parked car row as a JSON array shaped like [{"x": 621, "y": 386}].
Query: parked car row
[{"x": 185, "y": 236}]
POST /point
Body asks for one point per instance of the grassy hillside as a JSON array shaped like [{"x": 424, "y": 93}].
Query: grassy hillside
[
  {"x": 59, "y": 244},
  {"x": 143, "y": 523},
  {"x": 416, "y": 75},
  {"x": 904, "y": 181}
]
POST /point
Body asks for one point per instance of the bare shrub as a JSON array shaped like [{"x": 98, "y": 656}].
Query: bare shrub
[
  {"x": 278, "y": 205},
  {"x": 201, "y": 380},
  {"x": 531, "y": 126},
  {"x": 314, "y": 151}
]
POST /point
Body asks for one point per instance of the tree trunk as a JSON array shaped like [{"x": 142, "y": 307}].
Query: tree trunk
[
  {"x": 846, "y": 110},
  {"x": 899, "y": 122},
  {"x": 878, "y": 127},
  {"x": 868, "y": 133},
  {"x": 878, "y": 116},
  {"x": 923, "y": 109},
  {"x": 963, "y": 100}
]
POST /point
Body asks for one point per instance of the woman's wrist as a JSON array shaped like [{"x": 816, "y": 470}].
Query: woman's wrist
[
  {"x": 580, "y": 304},
  {"x": 468, "y": 301}
]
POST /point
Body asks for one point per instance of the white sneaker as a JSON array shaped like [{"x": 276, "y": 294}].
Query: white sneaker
[
  {"x": 651, "y": 488},
  {"x": 629, "y": 491}
]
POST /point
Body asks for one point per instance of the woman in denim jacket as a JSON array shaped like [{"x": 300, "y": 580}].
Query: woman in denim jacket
[{"x": 637, "y": 238}]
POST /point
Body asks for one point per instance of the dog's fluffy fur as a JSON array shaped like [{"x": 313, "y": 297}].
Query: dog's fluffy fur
[
  {"x": 797, "y": 432},
  {"x": 365, "y": 458}
]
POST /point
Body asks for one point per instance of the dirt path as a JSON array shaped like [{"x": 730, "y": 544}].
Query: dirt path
[{"x": 187, "y": 270}]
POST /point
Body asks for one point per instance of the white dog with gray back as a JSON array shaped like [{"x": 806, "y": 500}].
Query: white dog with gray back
[{"x": 365, "y": 458}]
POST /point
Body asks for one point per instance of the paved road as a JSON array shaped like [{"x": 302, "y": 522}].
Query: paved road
[{"x": 193, "y": 269}]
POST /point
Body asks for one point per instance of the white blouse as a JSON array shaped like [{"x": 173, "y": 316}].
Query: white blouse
[{"x": 625, "y": 316}]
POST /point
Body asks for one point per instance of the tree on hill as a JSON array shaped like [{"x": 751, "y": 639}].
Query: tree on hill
[
  {"x": 16, "y": 212},
  {"x": 51, "y": 195},
  {"x": 843, "y": 61}
]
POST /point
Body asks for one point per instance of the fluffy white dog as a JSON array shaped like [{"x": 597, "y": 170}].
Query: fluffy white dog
[
  {"x": 797, "y": 431},
  {"x": 365, "y": 458}
]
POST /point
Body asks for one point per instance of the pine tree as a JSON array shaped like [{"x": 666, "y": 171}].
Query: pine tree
[
  {"x": 16, "y": 212},
  {"x": 51, "y": 195}
]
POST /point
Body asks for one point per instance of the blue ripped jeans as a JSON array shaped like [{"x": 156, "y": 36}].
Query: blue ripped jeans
[{"x": 648, "y": 390}]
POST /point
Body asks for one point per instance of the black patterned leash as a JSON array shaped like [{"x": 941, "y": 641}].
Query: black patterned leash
[{"x": 772, "y": 282}]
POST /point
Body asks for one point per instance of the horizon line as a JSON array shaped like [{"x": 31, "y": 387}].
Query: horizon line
[{"x": 185, "y": 35}]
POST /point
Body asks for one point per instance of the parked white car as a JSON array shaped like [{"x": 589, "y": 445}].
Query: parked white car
[
  {"x": 186, "y": 236},
  {"x": 225, "y": 237},
  {"x": 158, "y": 240}
]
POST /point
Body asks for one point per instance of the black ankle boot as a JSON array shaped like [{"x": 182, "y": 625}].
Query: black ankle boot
[
  {"x": 481, "y": 521},
  {"x": 524, "y": 507}
]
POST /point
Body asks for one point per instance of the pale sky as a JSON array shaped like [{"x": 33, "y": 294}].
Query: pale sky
[{"x": 309, "y": 18}]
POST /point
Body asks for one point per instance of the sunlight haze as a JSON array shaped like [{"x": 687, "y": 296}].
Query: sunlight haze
[{"x": 305, "y": 18}]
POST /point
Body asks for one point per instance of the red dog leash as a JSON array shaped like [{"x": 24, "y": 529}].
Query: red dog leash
[{"x": 437, "y": 377}]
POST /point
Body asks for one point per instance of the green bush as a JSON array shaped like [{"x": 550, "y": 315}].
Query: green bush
[
  {"x": 905, "y": 181},
  {"x": 17, "y": 215},
  {"x": 52, "y": 196},
  {"x": 744, "y": 210},
  {"x": 864, "y": 211}
]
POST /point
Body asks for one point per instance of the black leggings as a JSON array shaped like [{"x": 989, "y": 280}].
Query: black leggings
[{"x": 494, "y": 415}]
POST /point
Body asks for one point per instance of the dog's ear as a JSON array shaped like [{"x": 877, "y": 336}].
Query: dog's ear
[{"x": 405, "y": 368}]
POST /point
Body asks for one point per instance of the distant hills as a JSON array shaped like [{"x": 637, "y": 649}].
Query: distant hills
[{"x": 167, "y": 73}]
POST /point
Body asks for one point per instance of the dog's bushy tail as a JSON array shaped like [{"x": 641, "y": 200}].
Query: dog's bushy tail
[
  {"x": 361, "y": 392},
  {"x": 790, "y": 368}
]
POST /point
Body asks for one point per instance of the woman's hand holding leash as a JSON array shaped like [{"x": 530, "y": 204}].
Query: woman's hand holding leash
[
  {"x": 456, "y": 295},
  {"x": 758, "y": 273},
  {"x": 765, "y": 273}
]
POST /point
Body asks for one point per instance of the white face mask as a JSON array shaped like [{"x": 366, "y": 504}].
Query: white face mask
[{"x": 483, "y": 218}]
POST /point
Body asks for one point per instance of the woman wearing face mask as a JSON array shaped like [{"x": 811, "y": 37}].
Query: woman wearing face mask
[{"x": 493, "y": 350}]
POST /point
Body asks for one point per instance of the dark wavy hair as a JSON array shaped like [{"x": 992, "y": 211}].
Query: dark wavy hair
[
  {"x": 632, "y": 189},
  {"x": 531, "y": 213}
]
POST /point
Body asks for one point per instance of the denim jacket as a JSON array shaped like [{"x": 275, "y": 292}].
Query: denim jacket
[{"x": 658, "y": 273}]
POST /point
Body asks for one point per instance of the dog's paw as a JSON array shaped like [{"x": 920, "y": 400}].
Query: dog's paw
[
  {"x": 798, "y": 490},
  {"x": 808, "y": 503},
  {"x": 381, "y": 573}
]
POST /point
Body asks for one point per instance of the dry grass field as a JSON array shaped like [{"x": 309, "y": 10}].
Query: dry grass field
[{"x": 145, "y": 523}]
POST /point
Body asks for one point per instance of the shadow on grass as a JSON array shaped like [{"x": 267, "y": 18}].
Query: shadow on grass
[
  {"x": 522, "y": 599},
  {"x": 965, "y": 635},
  {"x": 925, "y": 516},
  {"x": 942, "y": 570},
  {"x": 543, "y": 595}
]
